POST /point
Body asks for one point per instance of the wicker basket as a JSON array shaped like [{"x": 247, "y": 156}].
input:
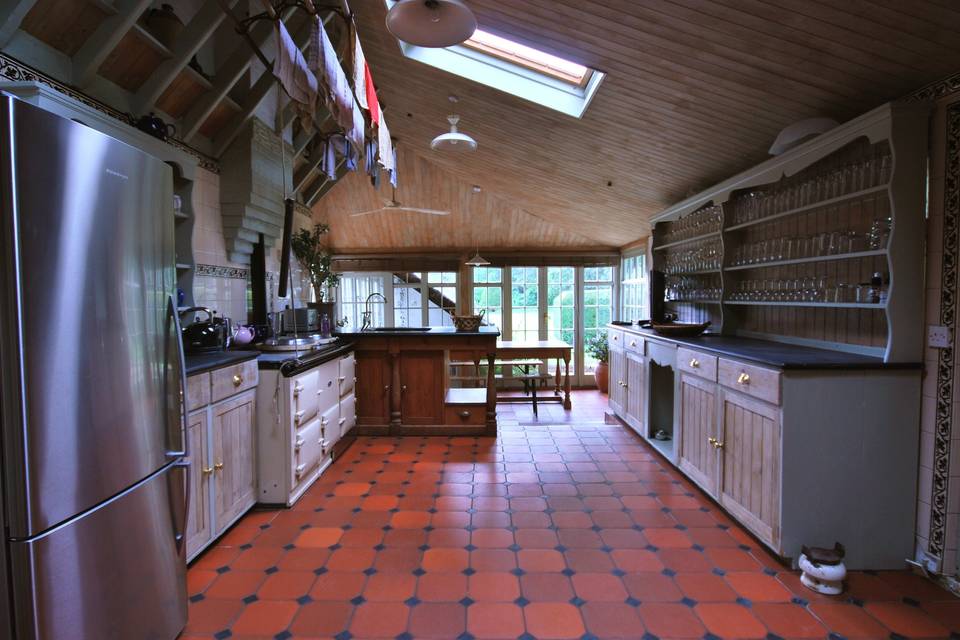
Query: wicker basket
[{"x": 468, "y": 323}]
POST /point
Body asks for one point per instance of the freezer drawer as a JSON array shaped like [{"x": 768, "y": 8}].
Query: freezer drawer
[{"x": 118, "y": 572}]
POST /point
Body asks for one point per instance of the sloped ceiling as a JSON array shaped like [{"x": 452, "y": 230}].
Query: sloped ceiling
[
  {"x": 486, "y": 219},
  {"x": 695, "y": 92}
]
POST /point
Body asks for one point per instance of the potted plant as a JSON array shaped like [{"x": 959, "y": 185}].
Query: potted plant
[
  {"x": 598, "y": 348},
  {"x": 314, "y": 258}
]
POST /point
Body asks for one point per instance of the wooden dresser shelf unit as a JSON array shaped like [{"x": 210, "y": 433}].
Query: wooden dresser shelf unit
[
  {"x": 403, "y": 383},
  {"x": 809, "y": 214},
  {"x": 221, "y": 412}
]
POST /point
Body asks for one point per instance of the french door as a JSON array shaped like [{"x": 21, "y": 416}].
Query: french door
[{"x": 565, "y": 303}]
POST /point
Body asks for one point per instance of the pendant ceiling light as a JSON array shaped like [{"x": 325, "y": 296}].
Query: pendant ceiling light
[
  {"x": 477, "y": 260},
  {"x": 431, "y": 23},
  {"x": 453, "y": 140}
]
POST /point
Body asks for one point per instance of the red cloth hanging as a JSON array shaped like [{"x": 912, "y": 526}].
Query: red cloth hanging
[{"x": 372, "y": 104}]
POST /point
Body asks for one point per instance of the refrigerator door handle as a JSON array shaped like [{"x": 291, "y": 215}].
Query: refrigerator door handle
[
  {"x": 182, "y": 375},
  {"x": 180, "y": 519}
]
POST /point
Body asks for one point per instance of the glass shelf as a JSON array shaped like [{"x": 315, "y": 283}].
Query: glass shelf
[
  {"x": 677, "y": 243},
  {"x": 809, "y": 207},
  {"x": 823, "y": 305},
  {"x": 834, "y": 256}
]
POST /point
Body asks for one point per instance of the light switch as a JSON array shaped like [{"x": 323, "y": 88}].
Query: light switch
[{"x": 938, "y": 336}]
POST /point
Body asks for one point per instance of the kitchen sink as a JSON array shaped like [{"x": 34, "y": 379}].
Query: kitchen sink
[{"x": 400, "y": 329}]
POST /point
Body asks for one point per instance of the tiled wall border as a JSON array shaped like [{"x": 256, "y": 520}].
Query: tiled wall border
[
  {"x": 946, "y": 370},
  {"x": 16, "y": 71},
  {"x": 217, "y": 271}
]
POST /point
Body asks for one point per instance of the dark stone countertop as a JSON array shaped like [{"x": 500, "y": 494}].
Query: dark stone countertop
[
  {"x": 774, "y": 354},
  {"x": 432, "y": 331},
  {"x": 288, "y": 364},
  {"x": 200, "y": 362}
]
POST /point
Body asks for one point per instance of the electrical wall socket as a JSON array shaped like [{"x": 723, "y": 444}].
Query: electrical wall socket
[{"x": 938, "y": 336}]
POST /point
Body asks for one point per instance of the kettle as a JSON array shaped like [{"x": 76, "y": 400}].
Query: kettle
[
  {"x": 154, "y": 126},
  {"x": 206, "y": 335}
]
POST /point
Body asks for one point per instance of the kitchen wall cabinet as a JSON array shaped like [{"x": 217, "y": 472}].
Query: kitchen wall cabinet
[
  {"x": 302, "y": 420},
  {"x": 809, "y": 454},
  {"x": 222, "y": 444}
]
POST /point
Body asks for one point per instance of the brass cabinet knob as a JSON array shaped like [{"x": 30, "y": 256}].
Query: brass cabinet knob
[
  {"x": 743, "y": 378},
  {"x": 464, "y": 414},
  {"x": 218, "y": 466},
  {"x": 403, "y": 389},
  {"x": 712, "y": 440},
  {"x": 718, "y": 444},
  {"x": 694, "y": 363},
  {"x": 206, "y": 471},
  {"x": 237, "y": 380}
]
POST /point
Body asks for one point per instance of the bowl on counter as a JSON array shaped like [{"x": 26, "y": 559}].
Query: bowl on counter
[{"x": 678, "y": 329}]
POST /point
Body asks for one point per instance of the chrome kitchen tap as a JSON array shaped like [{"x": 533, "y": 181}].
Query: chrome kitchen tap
[{"x": 367, "y": 313}]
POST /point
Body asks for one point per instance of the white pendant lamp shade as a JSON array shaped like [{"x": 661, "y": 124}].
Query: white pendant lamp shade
[
  {"x": 477, "y": 260},
  {"x": 431, "y": 23},
  {"x": 453, "y": 140}
]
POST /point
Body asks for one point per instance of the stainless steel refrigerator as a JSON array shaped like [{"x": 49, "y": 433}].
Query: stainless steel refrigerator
[{"x": 91, "y": 375}]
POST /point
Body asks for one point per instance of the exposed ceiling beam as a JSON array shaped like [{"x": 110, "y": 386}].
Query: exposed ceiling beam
[
  {"x": 226, "y": 76},
  {"x": 99, "y": 45},
  {"x": 325, "y": 184},
  {"x": 12, "y": 13},
  {"x": 197, "y": 31},
  {"x": 257, "y": 93},
  {"x": 301, "y": 175}
]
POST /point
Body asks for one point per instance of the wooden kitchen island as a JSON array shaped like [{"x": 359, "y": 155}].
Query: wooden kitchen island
[{"x": 403, "y": 382}]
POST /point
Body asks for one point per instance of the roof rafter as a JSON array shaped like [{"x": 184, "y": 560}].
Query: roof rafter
[{"x": 107, "y": 36}]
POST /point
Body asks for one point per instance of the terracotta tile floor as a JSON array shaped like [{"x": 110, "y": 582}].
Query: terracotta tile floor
[{"x": 550, "y": 531}]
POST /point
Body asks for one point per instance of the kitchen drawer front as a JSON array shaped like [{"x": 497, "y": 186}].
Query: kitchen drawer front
[
  {"x": 634, "y": 343},
  {"x": 469, "y": 415},
  {"x": 198, "y": 391},
  {"x": 348, "y": 374},
  {"x": 229, "y": 381},
  {"x": 329, "y": 428},
  {"x": 307, "y": 452},
  {"x": 348, "y": 413},
  {"x": 698, "y": 363},
  {"x": 615, "y": 338},
  {"x": 305, "y": 403},
  {"x": 328, "y": 387},
  {"x": 763, "y": 384}
]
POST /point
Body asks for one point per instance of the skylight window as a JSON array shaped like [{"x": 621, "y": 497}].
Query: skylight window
[
  {"x": 514, "y": 68},
  {"x": 528, "y": 57}
]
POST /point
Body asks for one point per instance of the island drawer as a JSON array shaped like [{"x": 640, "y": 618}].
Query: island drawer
[
  {"x": 466, "y": 414},
  {"x": 231, "y": 380},
  {"x": 763, "y": 384},
  {"x": 698, "y": 363},
  {"x": 198, "y": 391},
  {"x": 634, "y": 343}
]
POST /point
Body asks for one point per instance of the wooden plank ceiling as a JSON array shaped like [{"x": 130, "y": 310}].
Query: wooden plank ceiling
[{"x": 695, "y": 92}]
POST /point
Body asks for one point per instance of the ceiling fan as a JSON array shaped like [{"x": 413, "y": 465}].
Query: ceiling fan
[{"x": 393, "y": 205}]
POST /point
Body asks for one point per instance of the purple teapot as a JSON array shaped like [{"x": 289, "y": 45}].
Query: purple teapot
[{"x": 243, "y": 334}]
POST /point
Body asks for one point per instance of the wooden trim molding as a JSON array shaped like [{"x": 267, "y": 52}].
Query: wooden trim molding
[{"x": 946, "y": 368}]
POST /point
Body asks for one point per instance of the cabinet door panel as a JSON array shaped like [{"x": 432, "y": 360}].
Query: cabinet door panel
[
  {"x": 636, "y": 390},
  {"x": 233, "y": 454},
  {"x": 421, "y": 379},
  {"x": 199, "y": 529},
  {"x": 373, "y": 387},
  {"x": 750, "y": 476},
  {"x": 618, "y": 377},
  {"x": 698, "y": 423}
]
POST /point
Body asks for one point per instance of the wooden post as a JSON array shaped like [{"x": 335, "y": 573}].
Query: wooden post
[
  {"x": 396, "y": 393},
  {"x": 566, "y": 399},
  {"x": 491, "y": 397}
]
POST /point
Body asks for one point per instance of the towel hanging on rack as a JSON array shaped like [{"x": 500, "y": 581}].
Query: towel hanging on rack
[
  {"x": 373, "y": 105},
  {"x": 359, "y": 70},
  {"x": 295, "y": 77},
  {"x": 332, "y": 80},
  {"x": 385, "y": 145}
]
